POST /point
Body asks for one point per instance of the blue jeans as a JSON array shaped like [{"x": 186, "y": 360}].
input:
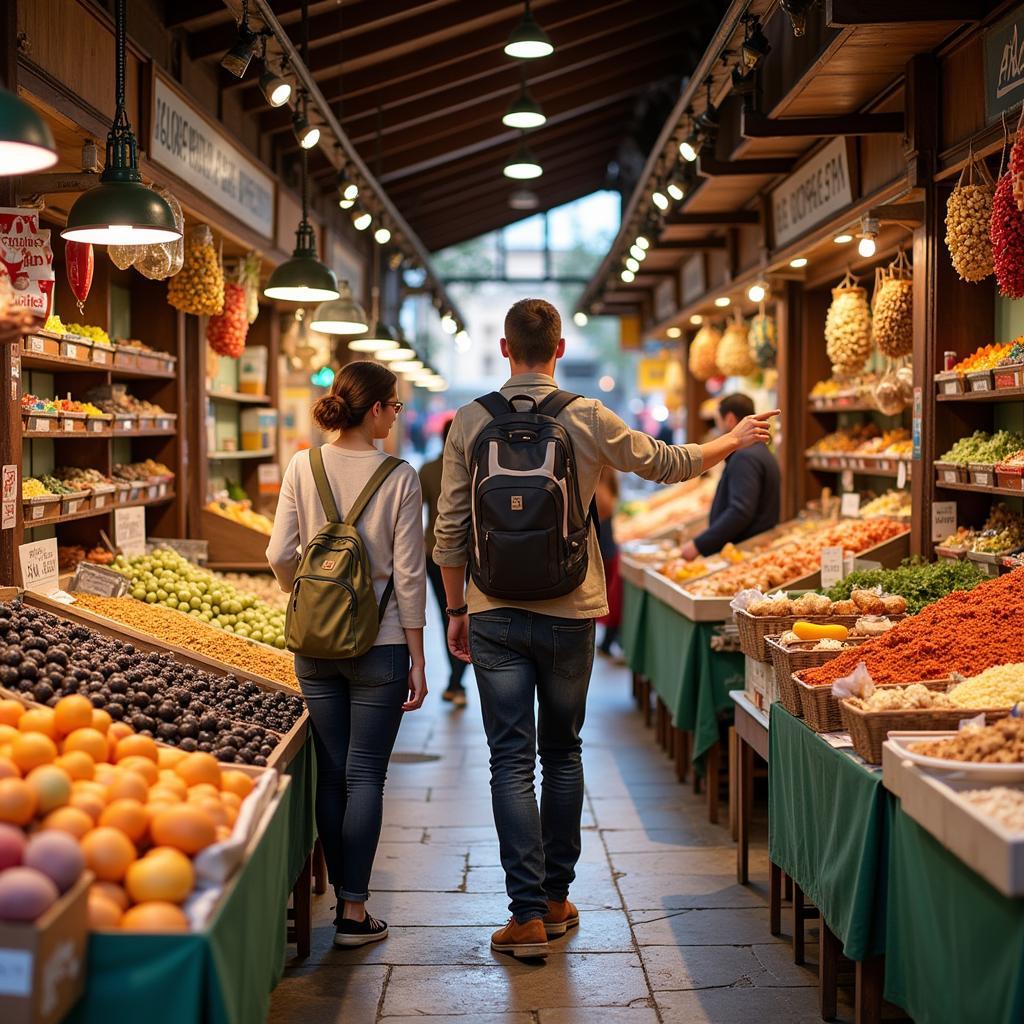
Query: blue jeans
[
  {"x": 355, "y": 708},
  {"x": 519, "y": 656}
]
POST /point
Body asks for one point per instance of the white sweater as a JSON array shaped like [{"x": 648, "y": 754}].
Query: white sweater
[{"x": 391, "y": 528}]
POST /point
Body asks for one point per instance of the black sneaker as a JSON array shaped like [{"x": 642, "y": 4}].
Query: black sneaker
[{"x": 358, "y": 933}]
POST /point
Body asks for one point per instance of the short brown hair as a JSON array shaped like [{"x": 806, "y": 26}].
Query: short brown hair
[
  {"x": 357, "y": 388},
  {"x": 533, "y": 330}
]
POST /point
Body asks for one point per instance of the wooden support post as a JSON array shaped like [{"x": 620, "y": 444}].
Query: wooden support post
[
  {"x": 798, "y": 924},
  {"x": 319, "y": 869},
  {"x": 712, "y": 765},
  {"x": 682, "y": 753},
  {"x": 774, "y": 898},
  {"x": 829, "y": 952},
  {"x": 660, "y": 721},
  {"x": 302, "y": 904},
  {"x": 645, "y": 702},
  {"x": 734, "y": 744},
  {"x": 745, "y": 800},
  {"x": 868, "y": 984}
]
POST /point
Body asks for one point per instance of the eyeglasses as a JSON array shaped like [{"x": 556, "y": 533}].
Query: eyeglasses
[{"x": 397, "y": 406}]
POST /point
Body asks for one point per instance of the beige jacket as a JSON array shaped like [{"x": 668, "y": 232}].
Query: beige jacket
[{"x": 599, "y": 439}]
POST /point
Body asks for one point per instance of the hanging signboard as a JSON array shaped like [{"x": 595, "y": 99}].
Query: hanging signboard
[
  {"x": 1004, "y": 65},
  {"x": 651, "y": 375},
  {"x": 813, "y": 193},
  {"x": 26, "y": 257},
  {"x": 190, "y": 145}
]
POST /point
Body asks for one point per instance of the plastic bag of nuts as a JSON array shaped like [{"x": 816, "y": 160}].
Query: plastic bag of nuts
[
  {"x": 703, "y": 350},
  {"x": 198, "y": 287},
  {"x": 762, "y": 340},
  {"x": 848, "y": 328},
  {"x": 893, "y": 322},
  {"x": 968, "y": 219},
  {"x": 733, "y": 352}
]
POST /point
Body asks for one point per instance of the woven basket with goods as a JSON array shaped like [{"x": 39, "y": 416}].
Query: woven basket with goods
[
  {"x": 763, "y": 340},
  {"x": 968, "y": 222},
  {"x": 893, "y": 322},
  {"x": 733, "y": 354},
  {"x": 703, "y": 350},
  {"x": 848, "y": 328}
]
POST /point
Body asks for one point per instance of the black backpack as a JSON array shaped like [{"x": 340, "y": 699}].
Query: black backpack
[{"x": 529, "y": 530}]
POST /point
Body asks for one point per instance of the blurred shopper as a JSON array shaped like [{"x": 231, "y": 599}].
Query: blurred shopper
[
  {"x": 607, "y": 498},
  {"x": 520, "y": 467},
  {"x": 356, "y": 704},
  {"x": 430, "y": 484}
]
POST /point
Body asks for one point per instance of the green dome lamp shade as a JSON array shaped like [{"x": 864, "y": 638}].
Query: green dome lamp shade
[
  {"x": 528, "y": 40},
  {"x": 523, "y": 165},
  {"x": 381, "y": 339},
  {"x": 342, "y": 315},
  {"x": 26, "y": 142},
  {"x": 395, "y": 355},
  {"x": 524, "y": 112},
  {"x": 303, "y": 278},
  {"x": 121, "y": 210}
]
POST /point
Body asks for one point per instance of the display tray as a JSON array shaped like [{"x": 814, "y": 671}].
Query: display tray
[
  {"x": 934, "y": 801},
  {"x": 42, "y": 509},
  {"x": 1009, "y": 376},
  {"x": 41, "y": 344},
  {"x": 232, "y": 542},
  {"x": 40, "y": 422},
  {"x": 102, "y": 355},
  {"x": 290, "y": 742},
  {"x": 982, "y": 473},
  {"x": 950, "y": 473},
  {"x": 690, "y": 606},
  {"x": 979, "y": 380},
  {"x": 633, "y": 571},
  {"x": 787, "y": 660},
  {"x": 80, "y": 501},
  {"x": 76, "y": 348},
  {"x": 821, "y": 710},
  {"x": 949, "y": 383}
]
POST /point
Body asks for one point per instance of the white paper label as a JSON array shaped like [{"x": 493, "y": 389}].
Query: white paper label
[
  {"x": 124, "y": 424},
  {"x": 832, "y": 566},
  {"x": 901, "y": 474},
  {"x": 69, "y": 425},
  {"x": 981, "y": 384},
  {"x": 100, "y": 355},
  {"x": 74, "y": 506},
  {"x": 71, "y": 351},
  {"x": 43, "y": 425},
  {"x": 849, "y": 505},
  {"x": 846, "y": 480},
  {"x": 15, "y": 972},
  {"x": 95, "y": 425},
  {"x": 9, "y": 497},
  {"x": 39, "y": 565},
  {"x": 36, "y": 344},
  {"x": 37, "y": 511},
  {"x": 943, "y": 519},
  {"x": 130, "y": 530}
]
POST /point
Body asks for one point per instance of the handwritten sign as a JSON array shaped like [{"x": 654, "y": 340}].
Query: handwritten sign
[
  {"x": 812, "y": 193},
  {"x": 9, "y": 498},
  {"x": 901, "y": 474},
  {"x": 849, "y": 505},
  {"x": 90, "y": 578},
  {"x": 943, "y": 519},
  {"x": 130, "y": 530},
  {"x": 832, "y": 566},
  {"x": 39, "y": 566}
]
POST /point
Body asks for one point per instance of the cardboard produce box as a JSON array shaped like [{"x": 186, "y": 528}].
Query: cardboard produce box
[{"x": 43, "y": 964}]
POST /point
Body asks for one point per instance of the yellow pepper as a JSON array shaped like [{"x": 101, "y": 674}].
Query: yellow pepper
[{"x": 819, "y": 631}]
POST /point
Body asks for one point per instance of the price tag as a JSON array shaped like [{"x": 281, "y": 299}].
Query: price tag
[
  {"x": 916, "y": 422},
  {"x": 69, "y": 425},
  {"x": 981, "y": 384},
  {"x": 269, "y": 477},
  {"x": 849, "y": 505},
  {"x": 36, "y": 344},
  {"x": 39, "y": 569},
  {"x": 38, "y": 511},
  {"x": 846, "y": 480},
  {"x": 130, "y": 530},
  {"x": 97, "y": 579},
  {"x": 71, "y": 351},
  {"x": 832, "y": 566},
  {"x": 943, "y": 519},
  {"x": 901, "y": 473},
  {"x": 15, "y": 973},
  {"x": 196, "y": 551},
  {"x": 42, "y": 424}
]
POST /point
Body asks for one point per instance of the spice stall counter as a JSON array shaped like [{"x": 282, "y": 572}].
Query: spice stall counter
[
  {"x": 222, "y": 975},
  {"x": 634, "y": 611}
]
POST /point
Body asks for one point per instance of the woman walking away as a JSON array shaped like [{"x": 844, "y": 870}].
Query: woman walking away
[{"x": 356, "y": 697}]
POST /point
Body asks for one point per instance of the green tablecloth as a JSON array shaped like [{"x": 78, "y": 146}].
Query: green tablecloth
[
  {"x": 955, "y": 945},
  {"x": 301, "y": 822},
  {"x": 631, "y": 635},
  {"x": 828, "y": 829},
  {"x": 221, "y": 976}
]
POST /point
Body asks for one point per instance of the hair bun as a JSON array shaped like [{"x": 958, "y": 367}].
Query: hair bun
[{"x": 332, "y": 413}]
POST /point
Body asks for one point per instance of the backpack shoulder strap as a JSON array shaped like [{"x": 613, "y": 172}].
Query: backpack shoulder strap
[
  {"x": 495, "y": 403},
  {"x": 323, "y": 487},
  {"x": 554, "y": 403},
  {"x": 382, "y": 472}
]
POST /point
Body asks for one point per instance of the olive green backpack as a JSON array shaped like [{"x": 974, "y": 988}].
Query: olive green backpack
[{"x": 333, "y": 611}]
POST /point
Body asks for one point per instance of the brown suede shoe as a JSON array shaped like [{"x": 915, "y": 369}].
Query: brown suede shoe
[
  {"x": 525, "y": 940},
  {"x": 561, "y": 916}
]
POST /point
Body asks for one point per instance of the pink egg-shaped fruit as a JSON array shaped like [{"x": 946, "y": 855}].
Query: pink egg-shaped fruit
[
  {"x": 12, "y": 846},
  {"x": 25, "y": 894},
  {"x": 57, "y": 855}
]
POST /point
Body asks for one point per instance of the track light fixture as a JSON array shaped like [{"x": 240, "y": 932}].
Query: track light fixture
[
  {"x": 361, "y": 220},
  {"x": 236, "y": 60},
  {"x": 689, "y": 148},
  {"x": 26, "y": 142},
  {"x": 628, "y": 276},
  {"x": 382, "y": 235},
  {"x": 277, "y": 91},
  {"x": 528, "y": 40},
  {"x": 660, "y": 199},
  {"x": 642, "y": 242},
  {"x": 632, "y": 264},
  {"x": 797, "y": 11},
  {"x": 580, "y": 319},
  {"x": 307, "y": 135},
  {"x": 755, "y": 46},
  {"x": 677, "y": 184},
  {"x": 638, "y": 253}
]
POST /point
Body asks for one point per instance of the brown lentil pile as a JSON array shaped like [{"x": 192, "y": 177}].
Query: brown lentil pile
[{"x": 185, "y": 631}]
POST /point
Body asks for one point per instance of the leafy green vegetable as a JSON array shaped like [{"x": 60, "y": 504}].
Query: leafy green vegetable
[{"x": 919, "y": 582}]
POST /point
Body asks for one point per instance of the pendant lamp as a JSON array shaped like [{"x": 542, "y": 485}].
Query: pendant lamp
[
  {"x": 342, "y": 315},
  {"x": 303, "y": 278},
  {"x": 381, "y": 338},
  {"x": 523, "y": 165},
  {"x": 120, "y": 210},
  {"x": 528, "y": 40},
  {"x": 394, "y": 355},
  {"x": 524, "y": 111},
  {"x": 26, "y": 142}
]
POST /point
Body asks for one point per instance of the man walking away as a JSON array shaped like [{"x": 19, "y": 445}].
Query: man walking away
[{"x": 520, "y": 468}]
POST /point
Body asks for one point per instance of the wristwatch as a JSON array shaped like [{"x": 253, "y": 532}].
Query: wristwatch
[{"x": 454, "y": 613}]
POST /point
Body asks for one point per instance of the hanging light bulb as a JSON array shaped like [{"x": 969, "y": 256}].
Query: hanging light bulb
[
  {"x": 659, "y": 199},
  {"x": 361, "y": 220},
  {"x": 120, "y": 210},
  {"x": 342, "y": 315},
  {"x": 524, "y": 111},
  {"x": 381, "y": 339},
  {"x": 307, "y": 135},
  {"x": 689, "y": 147},
  {"x": 438, "y": 385},
  {"x": 696, "y": 319},
  {"x": 637, "y": 253},
  {"x": 579, "y": 318},
  {"x": 757, "y": 291},
  {"x": 523, "y": 165},
  {"x": 26, "y": 142},
  {"x": 674, "y": 332},
  {"x": 449, "y": 324},
  {"x": 632, "y": 264},
  {"x": 676, "y": 186},
  {"x": 404, "y": 366},
  {"x": 869, "y": 228},
  {"x": 394, "y": 355},
  {"x": 642, "y": 242},
  {"x": 382, "y": 236},
  {"x": 236, "y": 60},
  {"x": 528, "y": 40},
  {"x": 843, "y": 239},
  {"x": 628, "y": 276}
]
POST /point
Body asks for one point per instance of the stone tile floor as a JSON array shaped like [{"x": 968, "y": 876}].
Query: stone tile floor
[{"x": 666, "y": 935}]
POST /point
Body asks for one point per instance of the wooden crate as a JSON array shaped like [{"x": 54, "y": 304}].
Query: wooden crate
[{"x": 231, "y": 543}]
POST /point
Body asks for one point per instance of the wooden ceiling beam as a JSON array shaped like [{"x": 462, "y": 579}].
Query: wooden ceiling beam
[
  {"x": 755, "y": 125},
  {"x": 710, "y": 167},
  {"x": 729, "y": 219},
  {"x": 689, "y": 245},
  {"x": 851, "y": 13}
]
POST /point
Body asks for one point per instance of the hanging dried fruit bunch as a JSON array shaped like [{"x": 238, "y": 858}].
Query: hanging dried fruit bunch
[
  {"x": 198, "y": 288},
  {"x": 848, "y": 328},
  {"x": 968, "y": 222},
  {"x": 733, "y": 354},
  {"x": 226, "y": 331},
  {"x": 763, "y": 341},
  {"x": 703, "y": 364},
  {"x": 1008, "y": 241},
  {"x": 1017, "y": 164},
  {"x": 250, "y": 279},
  {"x": 893, "y": 322}
]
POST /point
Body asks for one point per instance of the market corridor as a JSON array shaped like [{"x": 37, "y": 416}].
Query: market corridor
[{"x": 665, "y": 933}]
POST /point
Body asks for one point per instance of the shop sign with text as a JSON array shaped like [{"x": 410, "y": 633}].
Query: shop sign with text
[
  {"x": 813, "y": 193},
  {"x": 1004, "y": 65},
  {"x": 193, "y": 147}
]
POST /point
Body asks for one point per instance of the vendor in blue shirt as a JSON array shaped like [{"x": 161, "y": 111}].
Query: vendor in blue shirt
[{"x": 747, "y": 498}]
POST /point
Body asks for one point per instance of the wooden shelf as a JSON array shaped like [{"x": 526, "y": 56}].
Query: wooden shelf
[
  {"x": 1003, "y": 395},
  {"x": 873, "y": 471},
  {"x": 262, "y": 453},
  {"x": 980, "y": 489},
  {"x": 90, "y": 513},
  {"x": 84, "y": 435},
  {"x": 61, "y": 364},
  {"x": 833, "y": 408},
  {"x": 238, "y": 396}
]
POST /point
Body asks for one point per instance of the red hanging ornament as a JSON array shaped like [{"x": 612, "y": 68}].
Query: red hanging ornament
[
  {"x": 79, "y": 259},
  {"x": 1007, "y": 231}
]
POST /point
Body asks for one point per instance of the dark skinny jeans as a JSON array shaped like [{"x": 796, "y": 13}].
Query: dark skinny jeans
[
  {"x": 355, "y": 708},
  {"x": 520, "y": 656}
]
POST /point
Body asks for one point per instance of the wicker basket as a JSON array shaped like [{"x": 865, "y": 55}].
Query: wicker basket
[
  {"x": 755, "y": 628},
  {"x": 869, "y": 729},
  {"x": 793, "y": 658},
  {"x": 821, "y": 710}
]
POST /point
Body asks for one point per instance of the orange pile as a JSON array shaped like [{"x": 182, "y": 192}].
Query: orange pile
[{"x": 140, "y": 812}]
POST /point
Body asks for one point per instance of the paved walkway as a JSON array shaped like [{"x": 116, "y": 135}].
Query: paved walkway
[{"x": 665, "y": 935}]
